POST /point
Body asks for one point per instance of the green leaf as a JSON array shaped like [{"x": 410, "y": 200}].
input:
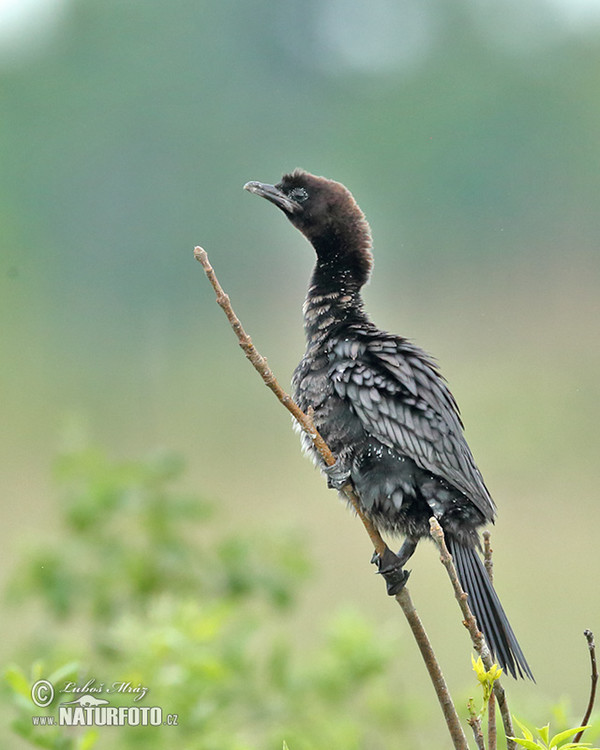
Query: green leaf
[
  {"x": 526, "y": 733},
  {"x": 88, "y": 740},
  {"x": 478, "y": 668},
  {"x": 564, "y": 735},
  {"x": 544, "y": 733},
  {"x": 18, "y": 682},
  {"x": 529, "y": 744},
  {"x": 67, "y": 670}
]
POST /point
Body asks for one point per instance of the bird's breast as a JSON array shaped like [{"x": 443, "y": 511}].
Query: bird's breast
[{"x": 314, "y": 390}]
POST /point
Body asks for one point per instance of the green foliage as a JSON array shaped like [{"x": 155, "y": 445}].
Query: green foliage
[
  {"x": 128, "y": 540},
  {"x": 486, "y": 679},
  {"x": 545, "y": 742},
  {"x": 143, "y": 586},
  {"x": 148, "y": 586}
]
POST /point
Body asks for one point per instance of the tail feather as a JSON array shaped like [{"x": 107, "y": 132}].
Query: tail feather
[{"x": 485, "y": 605}]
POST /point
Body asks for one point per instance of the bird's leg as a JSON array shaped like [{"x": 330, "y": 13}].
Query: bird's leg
[
  {"x": 337, "y": 476},
  {"x": 407, "y": 550},
  {"x": 390, "y": 565}
]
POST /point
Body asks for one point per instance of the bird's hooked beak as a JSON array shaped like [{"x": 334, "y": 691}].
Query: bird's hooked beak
[{"x": 275, "y": 195}]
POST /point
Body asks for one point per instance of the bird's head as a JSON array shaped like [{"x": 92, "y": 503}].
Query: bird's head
[{"x": 328, "y": 216}]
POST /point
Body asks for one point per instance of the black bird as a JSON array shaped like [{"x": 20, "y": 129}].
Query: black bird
[{"x": 383, "y": 408}]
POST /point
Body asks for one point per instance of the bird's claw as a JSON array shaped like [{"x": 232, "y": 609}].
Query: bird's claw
[
  {"x": 336, "y": 476},
  {"x": 390, "y": 567}
]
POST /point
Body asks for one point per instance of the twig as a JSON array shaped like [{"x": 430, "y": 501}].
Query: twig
[
  {"x": 260, "y": 365},
  {"x": 487, "y": 555},
  {"x": 435, "y": 673},
  {"x": 474, "y": 722},
  {"x": 492, "y": 731},
  {"x": 489, "y": 566},
  {"x": 469, "y": 620},
  {"x": 403, "y": 598},
  {"x": 470, "y": 624},
  {"x": 592, "y": 647}
]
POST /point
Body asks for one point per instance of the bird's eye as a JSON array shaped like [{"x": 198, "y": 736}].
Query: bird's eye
[{"x": 298, "y": 194}]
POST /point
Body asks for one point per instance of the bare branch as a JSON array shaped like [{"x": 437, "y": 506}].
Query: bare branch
[
  {"x": 470, "y": 624},
  {"x": 489, "y": 566},
  {"x": 433, "y": 667},
  {"x": 260, "y": 365},
  {"x": 487, "y": 555},
  {"x": 592, "y": 647},
  {"x": 492, "y": 731},
  {"x": 403, "y": 598},
  {"x": 474, "y": 721}
]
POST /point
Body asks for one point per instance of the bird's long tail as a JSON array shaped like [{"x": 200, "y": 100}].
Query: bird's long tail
[{"x": 485, "y": 605}]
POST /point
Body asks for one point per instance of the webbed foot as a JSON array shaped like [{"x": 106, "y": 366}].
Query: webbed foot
[
  {"x": 336, "y": 476},
  {"x": 390, "y": 567}
]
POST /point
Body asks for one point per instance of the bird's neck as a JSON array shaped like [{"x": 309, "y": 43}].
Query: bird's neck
[{"x": 333, "y": 300}]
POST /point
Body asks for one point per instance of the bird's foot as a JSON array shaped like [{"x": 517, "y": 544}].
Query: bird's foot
[
  {"x": 390, "y": 567},
  {"x": 336, "y": 476}
]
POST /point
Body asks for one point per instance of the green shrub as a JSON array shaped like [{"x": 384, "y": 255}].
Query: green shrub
[{"x": 144, "y": 586}]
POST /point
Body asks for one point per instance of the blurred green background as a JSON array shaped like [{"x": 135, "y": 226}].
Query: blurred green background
[{"x": 468, "y": 132}]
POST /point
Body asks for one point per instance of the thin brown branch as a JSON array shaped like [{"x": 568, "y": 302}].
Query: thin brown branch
[
  {"x": 491, "y": 725},
  {"x": 474, "y": 721},
  {"x": 491, "y": 708},
  {"x": 488, "y": 555},
  {"x": 305, "y": 421},
  {"x": 433, "y": 667},
  {"x": 470, "y": 624},
  {"x": 260, "y": 365},
  {"x": 469, "y": 620},
  {"x": 492, "y": 731},
  {"x": 258, "y": 362},
  {"x": 594, "y": 679}
]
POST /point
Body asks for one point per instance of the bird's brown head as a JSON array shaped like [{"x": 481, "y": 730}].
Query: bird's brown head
[{"x": 328, "y": 216}]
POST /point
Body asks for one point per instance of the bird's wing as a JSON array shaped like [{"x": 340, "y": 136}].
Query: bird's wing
[{"x": 401, "y": 399}]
